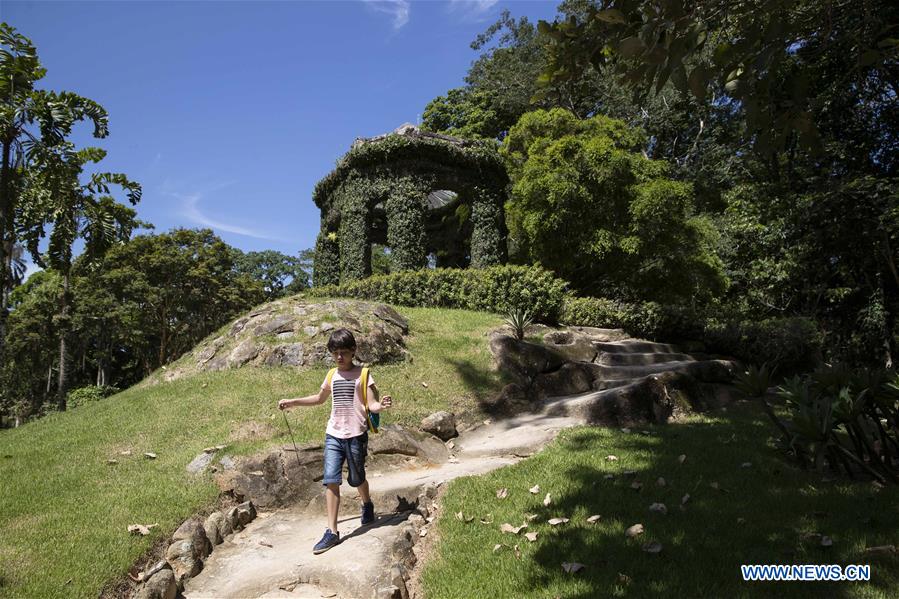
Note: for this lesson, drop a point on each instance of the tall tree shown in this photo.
(279, 273)
(57, 198)
(31, 121)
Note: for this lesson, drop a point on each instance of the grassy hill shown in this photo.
(63, 525)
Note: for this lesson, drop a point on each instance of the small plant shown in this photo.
(755, 381)
(519, 319)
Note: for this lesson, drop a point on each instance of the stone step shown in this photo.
(641, 359)
(606, 373)
(635, 346)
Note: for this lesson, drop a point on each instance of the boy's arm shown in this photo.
(379, 403)
(309, 400)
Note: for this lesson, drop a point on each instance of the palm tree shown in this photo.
(57, 198)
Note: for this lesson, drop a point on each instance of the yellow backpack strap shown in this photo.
(330, 376)
(363, 381)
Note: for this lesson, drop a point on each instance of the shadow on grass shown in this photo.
(764, 511)
(482, 384)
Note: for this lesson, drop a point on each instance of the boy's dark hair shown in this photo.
(341, 339)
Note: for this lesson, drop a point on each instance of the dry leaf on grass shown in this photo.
(423, 532)
(142, 529)
(530, 536)
(661, 482)
(636, 485)
(502, 493)
(746, 465)
(535, 489)
(557, 521)
(150, 455)
(497, 547)
(611, 458)
(424, 384)
(652, 547)
(530, 517)
(881, 550)
(681, 458)
(517, 552)
(126, 452)
(624, 579)
(112, 462)
(572, 567)
(659, 508)
(547, 500)
(506, 527)
(593, 519)
(633, 531)
(488, 519)
(685, 499)
(826, 541)
(265, 543)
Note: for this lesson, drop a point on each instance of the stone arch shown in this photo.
(418, 193)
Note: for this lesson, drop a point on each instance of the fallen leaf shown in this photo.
(451, 444)
(611, 458)
(652, 547)
(530, 536)
(715, 486)
(659, 508)
(685, 499)
(488, 421)
(557, 521)
(826, 541)
(547, 500)
(661, 482)
(429, 519)
(142, 529)
(150, 455)
(517, 552)
(746, 465)
(506, 527)
(111, 461)
(572, 567)
(502, 493)
(625, 430)
(633, 531)
(424, 384)
(741, 520)
(593, 519)
(636, 485)
(530, 517)
(681, 458)
(624, 578)
(535, 489)
(485, 520)
(497, 547)
(126, 452)
(265, 543)
(460, 516)
(204, 385)
(423, 532)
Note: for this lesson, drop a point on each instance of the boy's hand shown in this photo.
(284, 404)
(386, 402)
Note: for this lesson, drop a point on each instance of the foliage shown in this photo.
(376, 195)
(766, 56)
(580, 188)
(497, 289)
(462, 113)
(279, 273)
(519, 319)
(755, 381)
(845, 420)
(83, 395)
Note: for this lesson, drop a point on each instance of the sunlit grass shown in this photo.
(760, 514)
(65, 510)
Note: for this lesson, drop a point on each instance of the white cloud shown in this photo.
(397, 9)
(472, 8)
(190, 208)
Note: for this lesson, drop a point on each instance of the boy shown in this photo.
(346, 437)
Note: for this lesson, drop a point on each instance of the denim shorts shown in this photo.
(353, 450)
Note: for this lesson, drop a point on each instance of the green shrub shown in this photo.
(83, 395)
(791, 344)
(498, 289)
(591, 311)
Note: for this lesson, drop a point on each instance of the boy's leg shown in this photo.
(363, 492)
(332, 499)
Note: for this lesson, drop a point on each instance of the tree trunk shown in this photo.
(5, 215)
(63, 331)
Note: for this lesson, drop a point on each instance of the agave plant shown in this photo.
(755, 381)
(519, 319)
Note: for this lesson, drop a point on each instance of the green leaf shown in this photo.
(699, 80)
(631, 47)
(611, 15)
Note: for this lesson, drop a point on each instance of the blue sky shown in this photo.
(228, 113)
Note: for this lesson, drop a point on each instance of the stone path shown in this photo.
(272, 557)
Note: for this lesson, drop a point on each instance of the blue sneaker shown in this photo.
(329, 540)
(368, 513)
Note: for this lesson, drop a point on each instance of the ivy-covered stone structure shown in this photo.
(423, 195)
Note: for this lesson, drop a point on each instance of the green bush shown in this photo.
(498, 289)
(591, 311)
(83, 395)
(792, 345)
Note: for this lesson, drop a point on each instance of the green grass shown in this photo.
(760, 517)
(65, 511)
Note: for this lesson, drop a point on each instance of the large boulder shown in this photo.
(161, 585)
(441, 425)
(274, 478)
(570, 379)
(522, 359)
(576, 347)
(395, 439)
